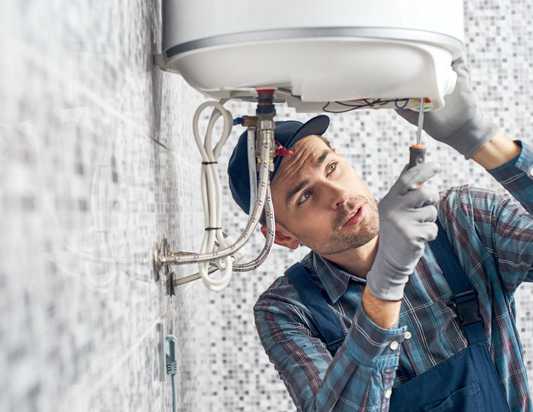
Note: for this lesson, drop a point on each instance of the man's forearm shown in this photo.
(496, 152)
(383, 313)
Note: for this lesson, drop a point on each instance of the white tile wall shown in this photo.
(97, 162)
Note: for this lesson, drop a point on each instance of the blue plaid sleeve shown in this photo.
(517, 176)
(511, 235)
(501, 222)
(358, 378)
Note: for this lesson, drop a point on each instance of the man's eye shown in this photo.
(303, 198)
(331, 167)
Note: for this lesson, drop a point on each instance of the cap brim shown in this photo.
(317, 126)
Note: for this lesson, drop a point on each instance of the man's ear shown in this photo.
(283, 237)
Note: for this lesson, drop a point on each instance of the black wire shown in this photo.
(406, 102)
(368, 103)
(336, 112)
(351, 105)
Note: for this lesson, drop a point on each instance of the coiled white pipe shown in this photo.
(210, 189)
(214, 246)
(266, 139)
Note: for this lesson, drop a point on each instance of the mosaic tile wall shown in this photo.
(98, 162)
(90, 178)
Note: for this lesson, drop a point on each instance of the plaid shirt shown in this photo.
(491, 234)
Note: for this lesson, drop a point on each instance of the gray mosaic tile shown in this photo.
(98, 162)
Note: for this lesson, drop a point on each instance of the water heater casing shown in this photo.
(315, 52)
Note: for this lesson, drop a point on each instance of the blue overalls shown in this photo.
(465, 382)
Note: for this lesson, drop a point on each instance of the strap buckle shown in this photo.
(467, 307)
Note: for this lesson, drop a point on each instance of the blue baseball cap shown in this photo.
(286, 133)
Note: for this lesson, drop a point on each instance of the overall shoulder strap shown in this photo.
(464, 295)
(325, 319)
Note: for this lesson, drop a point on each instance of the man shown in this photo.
(374, 319)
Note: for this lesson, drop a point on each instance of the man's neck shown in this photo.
(356, 261)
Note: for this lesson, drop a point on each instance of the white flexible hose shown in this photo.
(214, 248)
(214, 241)
(211, 198)
(265, 140)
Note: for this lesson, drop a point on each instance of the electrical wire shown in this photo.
(171, 365)
(368, 104)
(173, 384)
(405, 101)
(324, 109)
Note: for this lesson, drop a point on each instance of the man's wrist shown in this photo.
(496, 152)
(384, 313)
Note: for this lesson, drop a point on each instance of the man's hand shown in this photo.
(407, 216)
(459, 124)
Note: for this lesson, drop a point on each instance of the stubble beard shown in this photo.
(354, 237)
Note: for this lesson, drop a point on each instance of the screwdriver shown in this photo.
(417, 152)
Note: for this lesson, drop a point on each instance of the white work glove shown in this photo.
(459, 123)
(407, 216)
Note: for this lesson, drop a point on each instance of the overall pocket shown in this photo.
(466, 399)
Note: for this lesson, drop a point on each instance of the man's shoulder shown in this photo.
(281, 295)
(278, 292)
(280, 302)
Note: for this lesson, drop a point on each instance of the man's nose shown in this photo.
(338, 196)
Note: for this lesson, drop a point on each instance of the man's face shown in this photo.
(315, 192)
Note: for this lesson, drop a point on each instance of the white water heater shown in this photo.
(318, 55)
